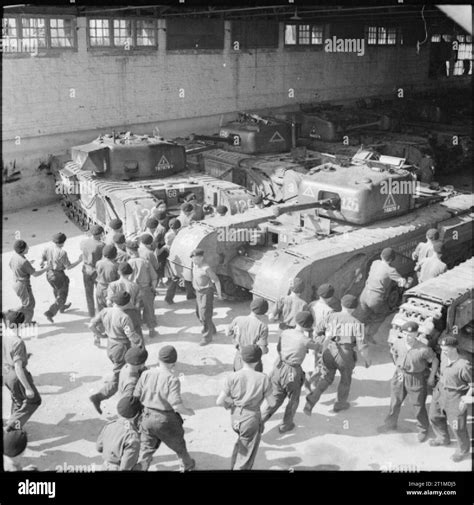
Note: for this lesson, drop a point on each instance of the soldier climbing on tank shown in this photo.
(22, 271)
(91, 249)
(373, 306)
(343, 334)
(432, 266)
(107, 272)
(288, 306)
(57, 261)
(425, 249)
(115, 226)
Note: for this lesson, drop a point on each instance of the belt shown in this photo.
(290, 364)
(158, 410)
(56, 270)
(254, 409)
(27, 280)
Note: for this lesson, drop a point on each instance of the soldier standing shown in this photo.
(243, 393)
(91, 249)
(107, 272)
(115, 227)
(186, 214)
(425, 249)
(150, 228)
(159, 391)
(412, 361)
(344, 333)
(16, 377)
(288, 306)
(204, 280)
(432, 266)
(121, 336)
(135, 359)
(287, 377)
(250, 330)
(57, 262)
(119, 440)
(159, 209)
(119, 243)
(147, 252)
(22, 271)
(450, 399)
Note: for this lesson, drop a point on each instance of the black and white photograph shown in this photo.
(237, 250)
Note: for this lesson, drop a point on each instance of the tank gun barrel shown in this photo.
(326, 203)
(212, 138)
(252, 117)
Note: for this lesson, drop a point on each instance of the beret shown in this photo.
(115, 224)
(59, 238)
(109, 251)
(151, 222)
(325, 291)
(298, 285)
(349, 301)
(131, 244)
(190, 197)
(449, 341)
(125, 268)
(128, 407)
(119, 238)
(96, 229)
(221, 209)
(438, 247)
(304, 319)
(168, 354)
(160, 215)
(146, 239)
(14, 442)
(432, 234)
(121, 298)
(19, 246)
(136, 355)
(175, 223)
(259, 306)
(251, 353)
(197, 252)
(410, 326)
(13, 317)
(388, 254)
(187, 207)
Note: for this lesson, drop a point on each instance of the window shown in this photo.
(436, 38)
(123, 33)
(448, 50)
(10, 34)
(303, 35)
(254, 33)
(382, 35)
(463, 65)
(146, 32)
(194, 33)
(33, 31)
(99, 32)
(61, 32)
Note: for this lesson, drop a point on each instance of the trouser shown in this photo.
(25, 294)
(147, 299)
(238, 363)
(204, 311)
(372, 311)
(248, 426)
(101, 296)
(116, 353)
(22, 407)
(415, 387)
(134, 315)
(287, 381)
(173, 285)
(59, 281)
(89, 278)
(444, 410)
(335, 357)
(162, 426)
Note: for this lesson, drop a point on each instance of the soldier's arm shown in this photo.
(130, 333)
(94, 323)
(215, 279)
(174, 398)
(19, 357)
(139, 387)
(434, 367)
(231, 332)
(276, 313)
(110, 294)
(224, 399)
(29, 269)
(131, 451)
(263, 340)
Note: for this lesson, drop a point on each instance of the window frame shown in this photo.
(310, 44)
(375, 42)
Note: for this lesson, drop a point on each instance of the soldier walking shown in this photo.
(91, 249)
(22, 271)
(288, 306)
(107, 272)
(159, 391)
(135, 359)
(243, 393)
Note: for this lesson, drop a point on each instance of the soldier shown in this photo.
(24, 395)
(132, 309)
(198, 212)
(145, 276)
(115, 227)
(257, 201)
(287, 377)
(186, 214)
(243, 393)
(159, 391)
(250, 330)
(107, 272)
(412, 361)
(22, 271)
(288, 306)
(203, 279)
(432, 266)
(135, 359)
(119, 243)
(91, 249)
(119, 440)
(221, 210)
(425, 249)
(121, 336)
(161, 250)
(159, 208)
(344, 333)
(146, 251)
(150, 228)
(450, 399)
(373, 307)
(14, 445)
(57, 262)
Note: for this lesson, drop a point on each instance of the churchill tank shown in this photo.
(124, 175)
(333, 223)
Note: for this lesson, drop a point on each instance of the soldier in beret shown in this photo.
(151, 226)
(22, 271)
(450, 400)
(115, 227)
(243, 393)
(343, 334)
(250, 330)
(432, 266)
(119, 440)
(120, 337)
(107, 272)
(57, 261)
(119, 243)
(288, 306)
(186, 214)
(425, 249)
(412, 361)
(135, 359)
(159, 391)
(14, 445)
(91, 249)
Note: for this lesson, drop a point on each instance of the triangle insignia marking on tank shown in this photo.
(276, 137)
(163, 164)
(308, 192)
(390, 205)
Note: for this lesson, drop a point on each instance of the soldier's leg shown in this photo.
(149, 441)
(54, 283)
(25, 294)
(134, 315)
(438, 418)
(345, 360)
(171, 290)
(22, 407)
(328, 372)
(417, 397)
(190, 292)
(207, 309)
(246, 446)
(148, 298)
(170, 430)
(116, 354)
(458, 423)
(294, 379)
(63, 290)
(398, 393)
(101, 296)
(276, 399)
(89, 283)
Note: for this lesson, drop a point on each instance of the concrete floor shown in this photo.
(67, 368)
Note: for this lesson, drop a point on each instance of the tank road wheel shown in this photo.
(394, 298)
